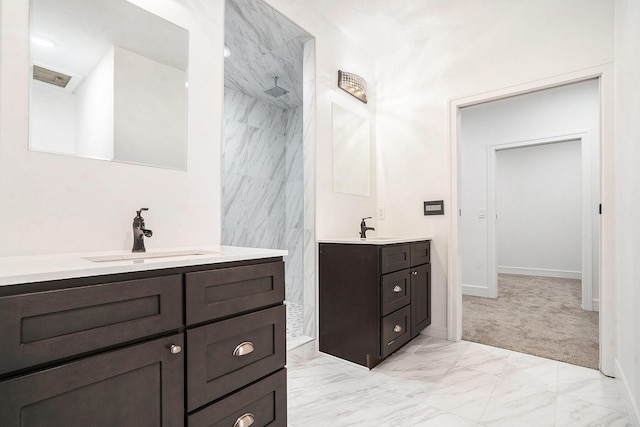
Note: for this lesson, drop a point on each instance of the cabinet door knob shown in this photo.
(243, 349)
(415, 273)
(244, 420)
(397, 329)
(397, 289)
(175, 349)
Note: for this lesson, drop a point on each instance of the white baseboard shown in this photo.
(435, 331)
(524, 271)
(630, 404)
(595, 306)
(475, 291)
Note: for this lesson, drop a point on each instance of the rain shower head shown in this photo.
(276, 91)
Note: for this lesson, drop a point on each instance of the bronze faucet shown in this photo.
(364, 228)
(139, 232)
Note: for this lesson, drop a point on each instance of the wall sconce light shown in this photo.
(353, 84)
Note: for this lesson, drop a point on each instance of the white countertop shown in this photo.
(39, 268)
(373, 240)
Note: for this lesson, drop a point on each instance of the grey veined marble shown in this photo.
(267, 154)
(263, 44)
(433, 382)
(263, 199)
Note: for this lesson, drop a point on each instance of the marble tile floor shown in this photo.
(434, 382)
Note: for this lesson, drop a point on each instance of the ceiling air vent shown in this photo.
(49, 76)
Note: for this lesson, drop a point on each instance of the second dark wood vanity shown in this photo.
(374, 298)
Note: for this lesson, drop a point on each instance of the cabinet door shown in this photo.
(420, 298)
(42, 327)
(140, 385)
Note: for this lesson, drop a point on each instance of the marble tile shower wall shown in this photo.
(294, 278)
(263, 181)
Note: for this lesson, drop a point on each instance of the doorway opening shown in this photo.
(529, 194)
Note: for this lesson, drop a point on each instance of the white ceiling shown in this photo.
(83, 31)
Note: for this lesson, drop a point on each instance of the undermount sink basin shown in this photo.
(373, 240)
(148, 255)
(381, 238)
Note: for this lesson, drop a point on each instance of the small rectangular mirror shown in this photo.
(351, 152)
(108, 81)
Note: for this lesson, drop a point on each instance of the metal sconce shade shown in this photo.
(353, 84)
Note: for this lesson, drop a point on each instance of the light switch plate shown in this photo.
(434, 207)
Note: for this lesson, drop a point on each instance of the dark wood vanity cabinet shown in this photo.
(373, 298)
(139, 385)
(128, 349)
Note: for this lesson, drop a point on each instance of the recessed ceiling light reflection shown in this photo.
(42, 41)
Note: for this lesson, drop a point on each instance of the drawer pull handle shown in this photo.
(243, 349)
(415, 273)
(244, 420)
(397, 289)
(397, 329)
(175, 349)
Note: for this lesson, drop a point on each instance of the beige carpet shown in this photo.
(534, 315)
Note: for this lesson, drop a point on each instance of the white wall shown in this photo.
(627, 210)
(55, 204)
(550, 113)
(150, 118)
(538, 208)
(48, 199)
(513, 45)
(337, 214)
(94, 110)
(52, 114)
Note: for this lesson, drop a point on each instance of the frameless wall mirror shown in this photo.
(351, 152)
(108, 81)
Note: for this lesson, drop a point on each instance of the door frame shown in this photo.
(604, 73)
(587, 210)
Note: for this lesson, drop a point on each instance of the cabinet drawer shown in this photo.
(420, 253)
(139, 385)
(215, 294)
(396, 291)
(226, 355)
(394, 258)
(396, 330)
(264, 402)
(45, 326)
